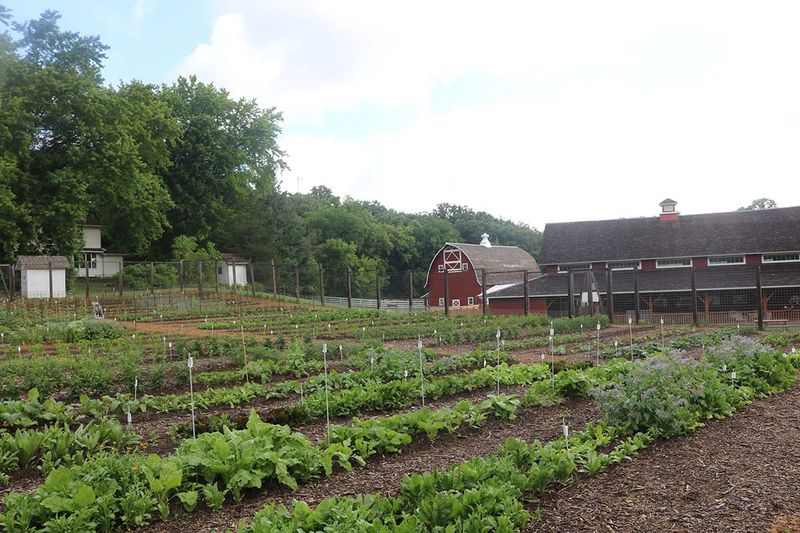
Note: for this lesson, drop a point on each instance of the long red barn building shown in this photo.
(464, 265)
(721, 251)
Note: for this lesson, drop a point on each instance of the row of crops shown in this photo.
(661, 396)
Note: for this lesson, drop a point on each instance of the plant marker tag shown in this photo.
(793, 349)
(19, 349)
(498, 333)
(129, 417)
(484, 363)
(405, 373)
(552, 332)
(191, 362)
(565, 428)
(733, 375)
(598, 326)
(724, 367)
(341, 357)
(542, 358)
(135, 387)
(327, 405)
(737, 326)
(2, 338)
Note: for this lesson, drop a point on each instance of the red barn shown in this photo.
(464, 265)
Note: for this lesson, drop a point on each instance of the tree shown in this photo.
(760, 203)
(227, 151)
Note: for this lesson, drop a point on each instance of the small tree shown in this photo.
(758, 204)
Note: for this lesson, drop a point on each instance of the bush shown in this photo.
(138, 276)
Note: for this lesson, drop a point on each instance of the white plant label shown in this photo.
(542, 358)
(565, 428)
(191, 362)
(733, 375)
(129, 417)
(598, 326)
(552, 332)
(498, 333)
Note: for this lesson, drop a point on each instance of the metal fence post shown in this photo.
(526, 293)
(121, 267)
(234, 276)
(252, 279)
(321, 286)
(378, 288)
(610, 295)
(274, 278)
(50, 278)
(637, 310)
(410, 290)
(760, 298)
(297, 281)
(695, 321)
(571, 293)
(484, 303)
(152, 278)
(86, 273)
(200, 279)
(590, 294)
(446, 293)
(216, 277)
(13, 282)
(349, 288)
(180, 273)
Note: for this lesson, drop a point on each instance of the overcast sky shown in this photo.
(533, 111)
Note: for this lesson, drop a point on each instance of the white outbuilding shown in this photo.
(232, 270)
(43, 276)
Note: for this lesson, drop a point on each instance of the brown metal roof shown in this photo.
(43, 262)
(665, 280)
(233, 258)
(735, 233)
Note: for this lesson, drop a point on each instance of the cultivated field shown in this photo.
(334, 420)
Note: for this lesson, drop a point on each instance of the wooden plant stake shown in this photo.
(190, 363)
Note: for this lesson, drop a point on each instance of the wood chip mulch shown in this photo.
(741, 474)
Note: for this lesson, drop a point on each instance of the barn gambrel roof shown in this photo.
(492, 259)
(733, 233)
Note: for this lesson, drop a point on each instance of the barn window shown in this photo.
(624, 265)
(726, 260)
(464, 267)
(441, 302)
(456, 302)
(441, 268)
(781, 258)
(576, 266)
(470, 300)
(674, 263)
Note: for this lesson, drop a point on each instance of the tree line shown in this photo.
(179, 170)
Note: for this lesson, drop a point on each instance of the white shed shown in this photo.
(43, 276)
(97, 261)
(233, 270)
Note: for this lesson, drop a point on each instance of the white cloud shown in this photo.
(618, 104)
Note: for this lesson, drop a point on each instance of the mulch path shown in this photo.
(383, 474)
(738, 474)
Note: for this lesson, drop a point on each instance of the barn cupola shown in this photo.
(668, 211)
(485, 240)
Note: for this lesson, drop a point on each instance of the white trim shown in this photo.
(441, 302)
(455, 302)
(674, 259)
(710, 258)
(470, 300)
(650, 292)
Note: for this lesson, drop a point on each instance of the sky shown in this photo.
(533, 111)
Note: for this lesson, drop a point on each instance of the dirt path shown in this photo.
(383, 474)
(739, 474)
